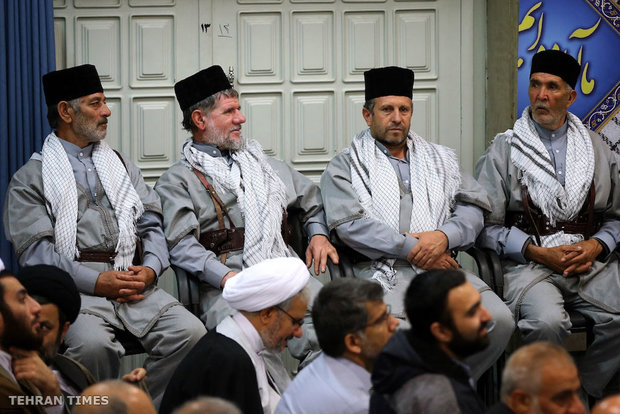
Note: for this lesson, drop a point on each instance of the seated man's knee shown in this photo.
(545, 326)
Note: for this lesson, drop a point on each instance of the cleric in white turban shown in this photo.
(238, 360)
(266, 284)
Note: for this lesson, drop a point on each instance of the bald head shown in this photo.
(610, 405)
(115, 397)
(208, 405)
(540, 377)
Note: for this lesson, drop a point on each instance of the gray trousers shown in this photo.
(544, 318)
(91, 341)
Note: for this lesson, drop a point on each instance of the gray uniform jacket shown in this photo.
(31, 231)
(496, 173)
(342, 206)
(189, 211)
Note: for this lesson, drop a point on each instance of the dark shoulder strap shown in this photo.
(118, 154)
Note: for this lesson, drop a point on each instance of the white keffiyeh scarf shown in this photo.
(435, 179)
(260, 194)
(557, 202)
(59, 188)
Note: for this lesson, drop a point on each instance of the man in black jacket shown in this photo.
(422, 369)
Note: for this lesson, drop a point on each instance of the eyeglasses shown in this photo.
(383, 318)
(297, 322)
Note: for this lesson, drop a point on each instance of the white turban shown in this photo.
(266, 284)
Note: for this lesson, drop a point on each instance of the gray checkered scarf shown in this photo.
(435, 177)
(260, 193)
(557, 202)
(59, 188)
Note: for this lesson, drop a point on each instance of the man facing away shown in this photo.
(402, 205)
(352, 324)
(540, 378)
(555, 220)
(422, 370)
(238, 360)
(85, 208)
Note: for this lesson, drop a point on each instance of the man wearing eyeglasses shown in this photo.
(238, 360)
(352, 324)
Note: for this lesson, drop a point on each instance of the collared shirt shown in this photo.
(555, 141)
(85, 173)
(377, 240)
(207, 266)
(327, 384)
(6, 361)
(512, 242)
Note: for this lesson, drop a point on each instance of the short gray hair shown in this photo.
(370, 105)
(53, 117)
(524, 367)
(303, 294)
(206, 106)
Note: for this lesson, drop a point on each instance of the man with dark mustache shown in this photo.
(402, 205)
(555, 219)
(85, 208)
(422, 369)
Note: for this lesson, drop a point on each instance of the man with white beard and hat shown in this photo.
(238, 360)
(555, 220)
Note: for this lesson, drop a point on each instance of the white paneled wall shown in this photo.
(298, 65)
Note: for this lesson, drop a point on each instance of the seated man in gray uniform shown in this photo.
(402, 205)
(225, 201)
(556, 220)
(82, 207)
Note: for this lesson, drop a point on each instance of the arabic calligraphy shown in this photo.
(529, 21)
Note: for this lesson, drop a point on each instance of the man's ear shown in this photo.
(520, 401)
(353, 343)
(268, 315)
(65, 328)
(198, 119)
(367, 115)
(65, 111)
(571, 97)
(442, 333)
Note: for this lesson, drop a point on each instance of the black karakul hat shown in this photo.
(390, 80)
(557, 63)
(200, 85)
(71, 83)
(53, 284)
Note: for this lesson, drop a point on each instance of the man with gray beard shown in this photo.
(82, 207)
(225, 201)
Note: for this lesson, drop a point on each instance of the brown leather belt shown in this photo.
(101, 257)
(224, 240)
(533, 221)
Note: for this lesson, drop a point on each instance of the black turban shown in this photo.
(390, 80)
(557, 63)
(200, 85)
(53, 284)
(71, 83)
